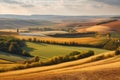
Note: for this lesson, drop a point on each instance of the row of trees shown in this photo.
(74, 35)
(104, 22)
(59, 59)
(35, 62)
(109, 44)
(13, 46)
(112, 44)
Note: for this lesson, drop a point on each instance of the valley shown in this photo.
(70, 48)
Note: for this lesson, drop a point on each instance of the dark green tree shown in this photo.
(14, 48)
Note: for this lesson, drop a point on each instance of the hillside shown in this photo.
(21, 21)
(75, 70)
(76, 24)
(47, 51)
(6, 23)
(55, 18)
(107, 27)
(11, 57)
(114, 26)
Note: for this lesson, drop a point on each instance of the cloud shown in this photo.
(18, 2)
(60, 7)
(10, 1)
(110, 2)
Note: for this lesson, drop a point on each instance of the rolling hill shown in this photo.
(47, 51)
(107, 69)
(55, 18)
(18, 21)
(107, 27)
(6, 23)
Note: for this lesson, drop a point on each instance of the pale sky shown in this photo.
(60, 7)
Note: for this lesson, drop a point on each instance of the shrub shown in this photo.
(30, 39)
(113, 44)
(109, 55)
(98, 58)
(73, 53)
(86, 54)
(25, 53)
(34, 59)
(117, 52)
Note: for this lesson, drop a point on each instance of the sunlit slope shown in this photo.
(2, 61)
(106, 69)
(107, 27)
(48, 50)
(84, 40)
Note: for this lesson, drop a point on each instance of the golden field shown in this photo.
(107, 27)
(62, 40)
(75, 70)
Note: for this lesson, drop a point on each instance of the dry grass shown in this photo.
(107, 69)
(4, 61)
(61, 40)
(112, 26)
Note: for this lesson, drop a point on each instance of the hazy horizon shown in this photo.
(60, 7)
(57, 15)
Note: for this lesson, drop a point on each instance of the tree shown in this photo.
(34, 40)
(25, 53)
(74, 53)
(117, 52)
(14, 48)
(30, 39)
(36, 59)
(108, 35)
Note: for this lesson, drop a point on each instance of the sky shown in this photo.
(60, 7)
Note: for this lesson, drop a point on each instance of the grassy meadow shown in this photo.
(4, 61)
(11, 57)
(49, 50)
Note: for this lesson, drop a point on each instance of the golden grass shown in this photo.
(70, 68)
(4, 61)
(112, 26)
(62, 40)
(8, 65)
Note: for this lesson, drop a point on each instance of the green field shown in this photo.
(115, 34)
(5, 61)
(11, 57)
(9, 60)
(48, 50)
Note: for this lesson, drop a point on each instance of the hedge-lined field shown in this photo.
(49, 50)
(84, 40)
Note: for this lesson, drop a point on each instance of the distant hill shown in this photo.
(20, 23)
(51, 17)
(76, 24)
